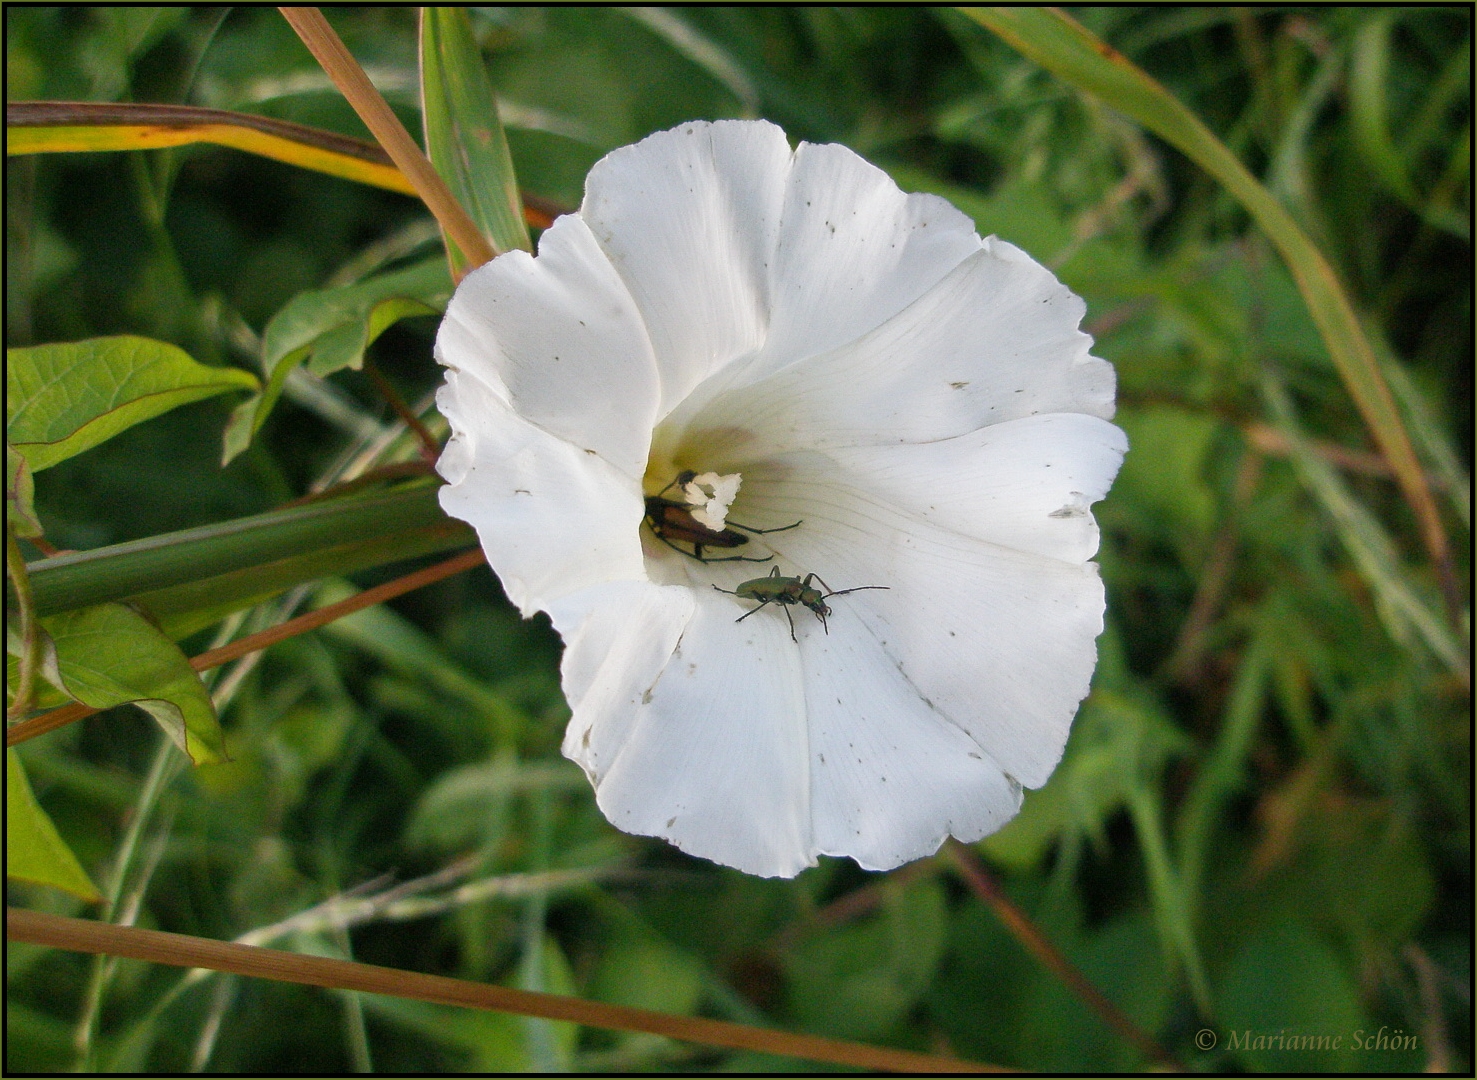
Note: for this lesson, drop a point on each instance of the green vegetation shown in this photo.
(1261, 826)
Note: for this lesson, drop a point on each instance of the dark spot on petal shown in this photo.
(959, 385)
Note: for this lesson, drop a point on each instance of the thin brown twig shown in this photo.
(40, 725)
(430, 448)
(179, 950)
(980, 881)
(349, 77)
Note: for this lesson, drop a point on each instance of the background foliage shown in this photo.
(1263, 819)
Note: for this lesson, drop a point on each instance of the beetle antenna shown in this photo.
(859, 588)
(761, 532)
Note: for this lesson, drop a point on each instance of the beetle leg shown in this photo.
(792, 625)
(697, 552)
(746, 614)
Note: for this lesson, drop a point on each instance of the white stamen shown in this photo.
(712, 495)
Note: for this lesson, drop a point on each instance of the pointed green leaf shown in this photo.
(34, 850)
(464, 138)
(111, 655)
(330, 329)
(63, 399)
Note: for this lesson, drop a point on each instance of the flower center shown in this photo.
(711, 495)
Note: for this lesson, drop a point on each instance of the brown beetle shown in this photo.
(670, 520)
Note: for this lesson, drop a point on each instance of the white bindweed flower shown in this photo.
(906, 405)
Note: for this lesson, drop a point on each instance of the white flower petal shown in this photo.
(562, 339)
(999, 641)
(689, 219)
(552, 518)
(853, 252)
(995, 340)
(890, 777)
(715, 760)
(617, 639)
(1026, 484)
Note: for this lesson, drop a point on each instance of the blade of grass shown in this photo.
(464, 137)
(180, 950)
(1066, 48)
(1399, 604)
(349, 77)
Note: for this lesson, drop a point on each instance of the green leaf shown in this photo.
(331, 329)
(63, 399)
(1067, 49)
(34, 850)
(464, 138)
(20, 494)
(111, 655)
(857, 982)
(1288, 981)
(194, 555)
(648, 973)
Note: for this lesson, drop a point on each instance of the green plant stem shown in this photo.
(85, 578)
(30, 657)
(165, 765)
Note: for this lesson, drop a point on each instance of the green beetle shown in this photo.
(790, 591)
(670, 520)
